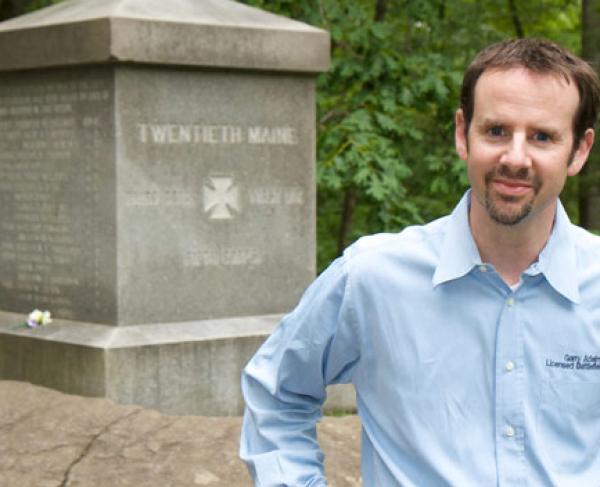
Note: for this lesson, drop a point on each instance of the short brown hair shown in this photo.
(542, 57)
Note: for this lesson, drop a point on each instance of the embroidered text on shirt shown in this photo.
(570, 361)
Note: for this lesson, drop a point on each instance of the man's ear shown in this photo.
(460, 135)
(581, 153)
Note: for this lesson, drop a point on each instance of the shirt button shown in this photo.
(509, 431)
(483, 268)
(510, 302)
(509, 366)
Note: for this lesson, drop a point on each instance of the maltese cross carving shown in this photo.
(221, 198)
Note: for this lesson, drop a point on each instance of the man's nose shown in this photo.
(516, 153)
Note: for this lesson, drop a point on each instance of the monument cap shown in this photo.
(202, 33)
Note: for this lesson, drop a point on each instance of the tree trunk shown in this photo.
(351, 193)
(7, 10)
(589, 179)
(346, 223)
(514, 14)
(13, 8)
(380, 7)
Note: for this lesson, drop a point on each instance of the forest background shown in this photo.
(385, 109)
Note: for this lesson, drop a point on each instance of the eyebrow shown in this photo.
(492, 122)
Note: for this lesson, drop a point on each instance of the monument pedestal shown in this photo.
(157, 191)
(177, 368)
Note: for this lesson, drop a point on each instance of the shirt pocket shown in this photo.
(568, 424)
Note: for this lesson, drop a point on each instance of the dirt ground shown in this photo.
(50, 439)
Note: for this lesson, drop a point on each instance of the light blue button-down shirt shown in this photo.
(459, 380)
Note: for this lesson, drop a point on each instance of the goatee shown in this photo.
(496, 204)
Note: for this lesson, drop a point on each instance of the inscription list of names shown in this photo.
(51, 152)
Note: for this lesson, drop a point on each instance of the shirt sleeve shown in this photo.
(284, 383)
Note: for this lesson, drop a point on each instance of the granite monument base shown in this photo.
(176, 368)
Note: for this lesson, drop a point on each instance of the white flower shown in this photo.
(46, 318)
(36, 315)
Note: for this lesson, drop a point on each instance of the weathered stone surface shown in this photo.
(215, 184)
(57, 196)
(176, 368)
(147, 195)
(214, 33)
(48, 439)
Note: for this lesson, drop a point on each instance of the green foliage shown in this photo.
(37, 4)
(339, 413)
(13, 8)
(386, 107)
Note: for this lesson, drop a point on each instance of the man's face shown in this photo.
(520, 146)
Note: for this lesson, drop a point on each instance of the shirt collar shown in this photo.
(459, 252)
(556, 262)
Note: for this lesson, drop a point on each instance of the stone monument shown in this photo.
(157, 194)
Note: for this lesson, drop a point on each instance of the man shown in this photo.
(473, 342)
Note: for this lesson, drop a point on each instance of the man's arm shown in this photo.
(284, 384)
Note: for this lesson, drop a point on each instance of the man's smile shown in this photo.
(511, 187)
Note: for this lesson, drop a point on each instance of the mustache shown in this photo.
(523, 174)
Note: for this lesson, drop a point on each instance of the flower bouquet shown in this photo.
(38, 318)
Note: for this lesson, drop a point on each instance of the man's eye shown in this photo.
(541, 137)
(496, 131)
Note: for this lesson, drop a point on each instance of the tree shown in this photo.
(386, 107)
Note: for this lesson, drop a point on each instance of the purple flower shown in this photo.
(32, 323)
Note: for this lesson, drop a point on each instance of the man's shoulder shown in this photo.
(410, 243)
(586, 243)
(587, 258)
